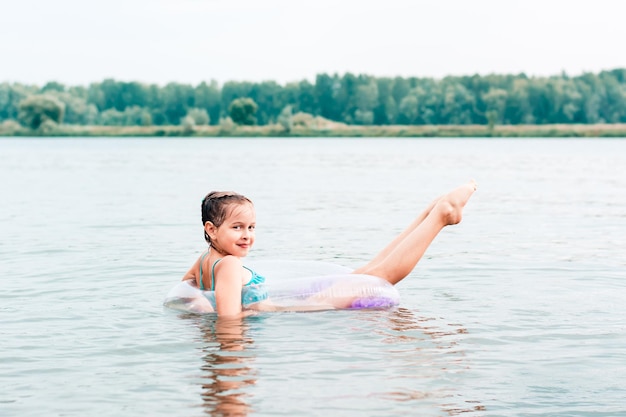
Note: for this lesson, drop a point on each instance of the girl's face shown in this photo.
(236, 235)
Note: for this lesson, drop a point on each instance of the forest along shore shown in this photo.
(348, 105)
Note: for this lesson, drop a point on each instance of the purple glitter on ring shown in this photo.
(373, 302)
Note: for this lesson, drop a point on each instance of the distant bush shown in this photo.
(188, 124)
(306, 120)
(303, 119)
(242, 111)
(35, 110)
(227, 125)
(285, 119)
(10, 127)
(131, 116)
(48, 127)
(200, 116)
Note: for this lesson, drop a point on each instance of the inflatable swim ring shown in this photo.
(296, 286)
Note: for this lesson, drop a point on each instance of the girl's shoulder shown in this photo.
(229, 268)
(228, 261)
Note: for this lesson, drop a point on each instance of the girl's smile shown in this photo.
(235, 236)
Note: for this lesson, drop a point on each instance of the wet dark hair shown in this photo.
(215, 207)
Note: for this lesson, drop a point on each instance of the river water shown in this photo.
(517, 311)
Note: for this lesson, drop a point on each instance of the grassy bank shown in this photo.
(333, 130)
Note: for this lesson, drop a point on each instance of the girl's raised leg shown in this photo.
(396, 242)
(399, 258)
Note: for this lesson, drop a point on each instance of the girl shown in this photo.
(229, 221)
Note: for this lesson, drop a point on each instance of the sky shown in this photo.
(77, 42)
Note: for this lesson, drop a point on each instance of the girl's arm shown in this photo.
(228, 284)
(198, 303)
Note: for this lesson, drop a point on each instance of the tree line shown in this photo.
(351, 99)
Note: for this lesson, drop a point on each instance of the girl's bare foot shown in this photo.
(450, 206)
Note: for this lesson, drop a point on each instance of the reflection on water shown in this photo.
(406, 332)
(227, 370)
(415, 349)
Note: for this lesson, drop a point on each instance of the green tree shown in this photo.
(539, 101)
(306, 100)
(457, 102)
(495, 100)
(270, 100)
(35, 110)
(176, 99)
(53, 86)
(326, 88)
(112, 94)
(77, 110)
(134, 94)
(366, 101)
(95, 96)
(118, 95)
(400, 89)
(208, 97)
(111, 117)
(285, 119)
(131, 116)
(614, 98)
(518, 109)
(345, 97)
(10, 97)
(6, 103)
(429, 99)
(421, 106)
(408, 110)
(242, 111)
(386, 110)
(234, 90)
(570, 108)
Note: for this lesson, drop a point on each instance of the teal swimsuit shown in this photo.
(252, 292)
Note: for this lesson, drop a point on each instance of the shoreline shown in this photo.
(338, 130)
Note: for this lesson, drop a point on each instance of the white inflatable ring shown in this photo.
(295, 286)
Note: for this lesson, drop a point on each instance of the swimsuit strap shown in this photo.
(213, 274)
(201, 262)
(255, 278)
